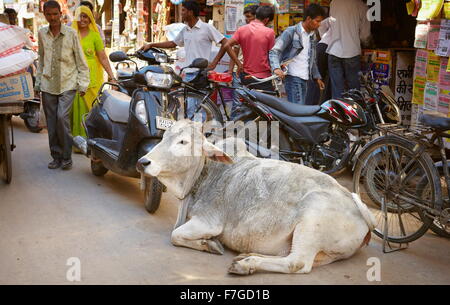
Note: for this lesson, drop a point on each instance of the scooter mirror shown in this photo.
(118, 56)
(199, 63)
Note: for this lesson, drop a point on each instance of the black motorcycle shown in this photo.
(121, 128)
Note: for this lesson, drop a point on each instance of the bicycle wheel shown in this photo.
(206, 110)
(387, 169)
(439, 226)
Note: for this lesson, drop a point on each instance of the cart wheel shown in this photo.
(5, 150)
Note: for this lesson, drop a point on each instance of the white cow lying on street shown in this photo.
(286, 217)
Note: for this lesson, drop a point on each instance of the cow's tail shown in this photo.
(367, 215)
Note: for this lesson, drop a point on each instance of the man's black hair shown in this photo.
(52, 4)
(192, 6)
(10, 11)
(251, 9)
(313, 11)
(88, 4)
(265, 11)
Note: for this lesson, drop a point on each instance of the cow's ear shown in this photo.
(215, 153)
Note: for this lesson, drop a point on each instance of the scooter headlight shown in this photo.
(159, 80)
(161, 58)
(141, 112)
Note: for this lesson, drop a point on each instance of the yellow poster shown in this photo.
(419, 90)
(430, 9)
(447, 10)
(433, 67)
(283, 22)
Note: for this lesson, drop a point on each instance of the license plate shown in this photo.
(163, 123)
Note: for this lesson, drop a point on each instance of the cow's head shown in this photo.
(178, 159)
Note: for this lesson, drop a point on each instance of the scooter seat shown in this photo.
(116, 105)
(436, 122)
(291, 109)
(125, 73)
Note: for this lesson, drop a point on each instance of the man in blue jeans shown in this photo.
(349, 28)
(297, 45)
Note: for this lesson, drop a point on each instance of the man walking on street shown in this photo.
(298, 44)
(62, 71)
(196, 38)
(349, 27)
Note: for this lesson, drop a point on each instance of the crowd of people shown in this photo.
(321, 54)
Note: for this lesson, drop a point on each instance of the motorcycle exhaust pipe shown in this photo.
(81, 143)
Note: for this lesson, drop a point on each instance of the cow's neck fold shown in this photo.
(190, 182)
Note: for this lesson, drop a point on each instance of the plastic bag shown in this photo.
(13, 39)
(16, 62)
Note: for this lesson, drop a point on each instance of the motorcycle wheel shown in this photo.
(5, 150)
(152, 194)
(437, 227)
(98, 169)
(32, 123)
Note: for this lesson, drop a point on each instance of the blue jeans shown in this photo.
(343, 70)
(191, 103)
(236, 101)
(295, 89)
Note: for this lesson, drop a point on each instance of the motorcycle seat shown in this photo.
(125, 73)
(116, 105)
(439, 123)
(291, 109)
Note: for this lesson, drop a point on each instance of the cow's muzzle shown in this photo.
(142, 164)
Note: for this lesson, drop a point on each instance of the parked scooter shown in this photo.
(121, 128)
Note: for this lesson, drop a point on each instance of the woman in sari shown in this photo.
(94, 52)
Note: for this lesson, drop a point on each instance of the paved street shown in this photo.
(49, 216)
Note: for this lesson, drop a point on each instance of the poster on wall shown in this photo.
(404, 84)
(251, 2)
(433, 35)
(433, 67)
(443, 48)
(296, 6)
(430, 9)
(234, 16)
(283, 6)
(283, 22)
(421, 35)
(431, 96)
(418, 89)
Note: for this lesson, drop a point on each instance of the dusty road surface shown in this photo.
(47, 217)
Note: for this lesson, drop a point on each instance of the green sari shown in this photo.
(91, 44)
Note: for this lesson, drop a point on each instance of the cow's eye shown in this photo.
(183, 142)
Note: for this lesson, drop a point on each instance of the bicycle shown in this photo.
(396, 176)
(202, 87)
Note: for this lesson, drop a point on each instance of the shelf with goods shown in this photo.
(431, 78)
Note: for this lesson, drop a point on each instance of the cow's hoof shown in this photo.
(241, 267)
(215, 246)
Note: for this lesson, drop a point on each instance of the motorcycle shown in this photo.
(122, 128)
